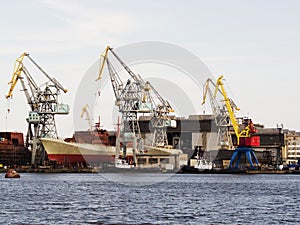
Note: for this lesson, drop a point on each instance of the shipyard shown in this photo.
(148, 137)
(149, 112)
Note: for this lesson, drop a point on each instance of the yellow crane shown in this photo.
(43, 102)
(17, 75)
(244, 139)
(18, 68)
(85, 110)
(221, 117)
(103, 58)
(231, 107)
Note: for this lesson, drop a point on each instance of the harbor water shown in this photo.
(176, 199)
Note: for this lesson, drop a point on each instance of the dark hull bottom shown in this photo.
(192, 170)
(112, 169)
(70, 159)
(189, 169)
(15, 176)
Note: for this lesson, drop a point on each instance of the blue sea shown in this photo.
(150, 199)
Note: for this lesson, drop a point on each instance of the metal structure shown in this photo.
(133, 97)
(220, 113)
(243, 135)
(43, 103)
(231, 108)
(85, 110)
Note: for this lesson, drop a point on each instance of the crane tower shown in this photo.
(43, 103)
(133, 97)
(243, 132)
(221, 116)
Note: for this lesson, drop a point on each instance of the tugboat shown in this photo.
(199, 163)
(11, 173)
(123, 164)
(202, 164)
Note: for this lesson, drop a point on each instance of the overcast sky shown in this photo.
(254, 44)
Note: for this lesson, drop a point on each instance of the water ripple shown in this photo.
(181, 199)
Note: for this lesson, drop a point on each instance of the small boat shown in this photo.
(202, 164)
(120, 166)
(11, 173)
(123, 164)
(199, 164)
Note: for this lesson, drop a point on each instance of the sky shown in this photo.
(254, 44)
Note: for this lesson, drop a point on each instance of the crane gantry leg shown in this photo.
(238, 152)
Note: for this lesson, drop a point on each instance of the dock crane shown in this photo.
(43, 103)
(133, 97)
(85, 110)
(245, 140)
(221, 117)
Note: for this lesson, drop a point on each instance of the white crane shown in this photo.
(134, 97)
(220, 113)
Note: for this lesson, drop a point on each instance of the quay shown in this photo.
(51, 170)
(243, 171)
(48, 169)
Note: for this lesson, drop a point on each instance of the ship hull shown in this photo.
(79, 158)
(68, 152)
(12, 149)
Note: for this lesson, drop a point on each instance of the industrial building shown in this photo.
(277, 145)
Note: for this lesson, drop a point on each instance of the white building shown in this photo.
(293, 150)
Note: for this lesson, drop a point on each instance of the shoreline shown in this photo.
(93, 170)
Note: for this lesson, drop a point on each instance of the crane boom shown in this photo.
(18, 68)
(132, 74)
(245, 140)
(85, 110)
(44, 105)
(224, 139)
(132, 97)
(230, 108)
(116, 82)
(53, 80)
(103, 57)
(228, 105)
(25, 89)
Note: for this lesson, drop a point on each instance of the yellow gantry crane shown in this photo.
(221, 117)
(44, 105)
(244, 138)
(231, 107)
(85, 110)
(225, 113)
